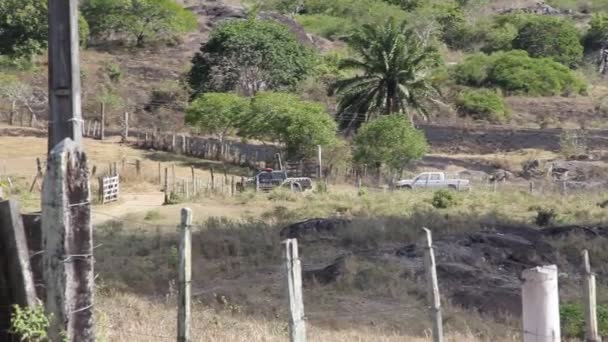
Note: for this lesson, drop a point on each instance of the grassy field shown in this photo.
(238, 278)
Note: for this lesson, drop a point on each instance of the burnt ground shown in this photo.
(478, 270)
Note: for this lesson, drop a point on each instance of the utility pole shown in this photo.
(64, 73)
(66, 210)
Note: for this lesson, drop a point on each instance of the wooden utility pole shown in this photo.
(64, 73)
(185, 276)
(68, 244)
(102, 132)
(297, 325)
(433, 288)
(66, 213)
(591, 328)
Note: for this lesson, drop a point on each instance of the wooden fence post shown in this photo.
(185, 276)
(173, 180)
(232, 186)
(166, 187)
(320, 162)
(68, 244)
(591, 331)
(125, 133)
(540, 304)
(102, 131)
(138, 167)
(297, 325)
(212, 178)
(160, 177)
(433, 288)
(20, 282)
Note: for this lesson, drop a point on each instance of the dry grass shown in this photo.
(124, 317)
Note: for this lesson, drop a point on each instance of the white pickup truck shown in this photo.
(433, 180)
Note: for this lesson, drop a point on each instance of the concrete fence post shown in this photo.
(540, 304)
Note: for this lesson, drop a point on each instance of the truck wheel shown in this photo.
(452, 187)
(406, 187)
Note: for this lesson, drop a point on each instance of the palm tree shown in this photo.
(395, 75)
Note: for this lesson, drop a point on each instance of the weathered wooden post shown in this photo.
(433, 288)
(297, 325)
(166, 187)
(591, 326)
(232, 186)
(102, 131)
(13, 243)
(320, 162)
(68, 244)
(160, 177)
(540, 304)
(125, 133)
(185, 276)
(138, 168)
(212, 178)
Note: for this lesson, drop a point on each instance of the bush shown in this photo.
(573, 320)
(444, 199)
(499, 38)
(546, 36)
(29, 323)
(483, 104)
(545, 217)
(598, 31)
(518, 73)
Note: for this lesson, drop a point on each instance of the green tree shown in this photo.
(24, 28)
(284, 118)
(546, 36)
(248, 56)
(389, 141)
(142, 20)
(217, 113)
(395, 74)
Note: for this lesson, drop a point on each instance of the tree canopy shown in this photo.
(395, 71)
(389, 141)
(546, 36)
(248, 56)
(281, 117)
(217, 113)
(23, 27)
(140, 20)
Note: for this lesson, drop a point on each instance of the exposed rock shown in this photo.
(481, 269)
(500, 175)
(314, 228)
(328, 274)
(532, 169)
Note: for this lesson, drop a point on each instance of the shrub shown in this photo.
(516, 72)
(598, 31)
(546, 36)
(483, 104)
(29, 323)
(474, 70)
(545, 217)
(573, 320)
(499, 38)
(444, 199)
